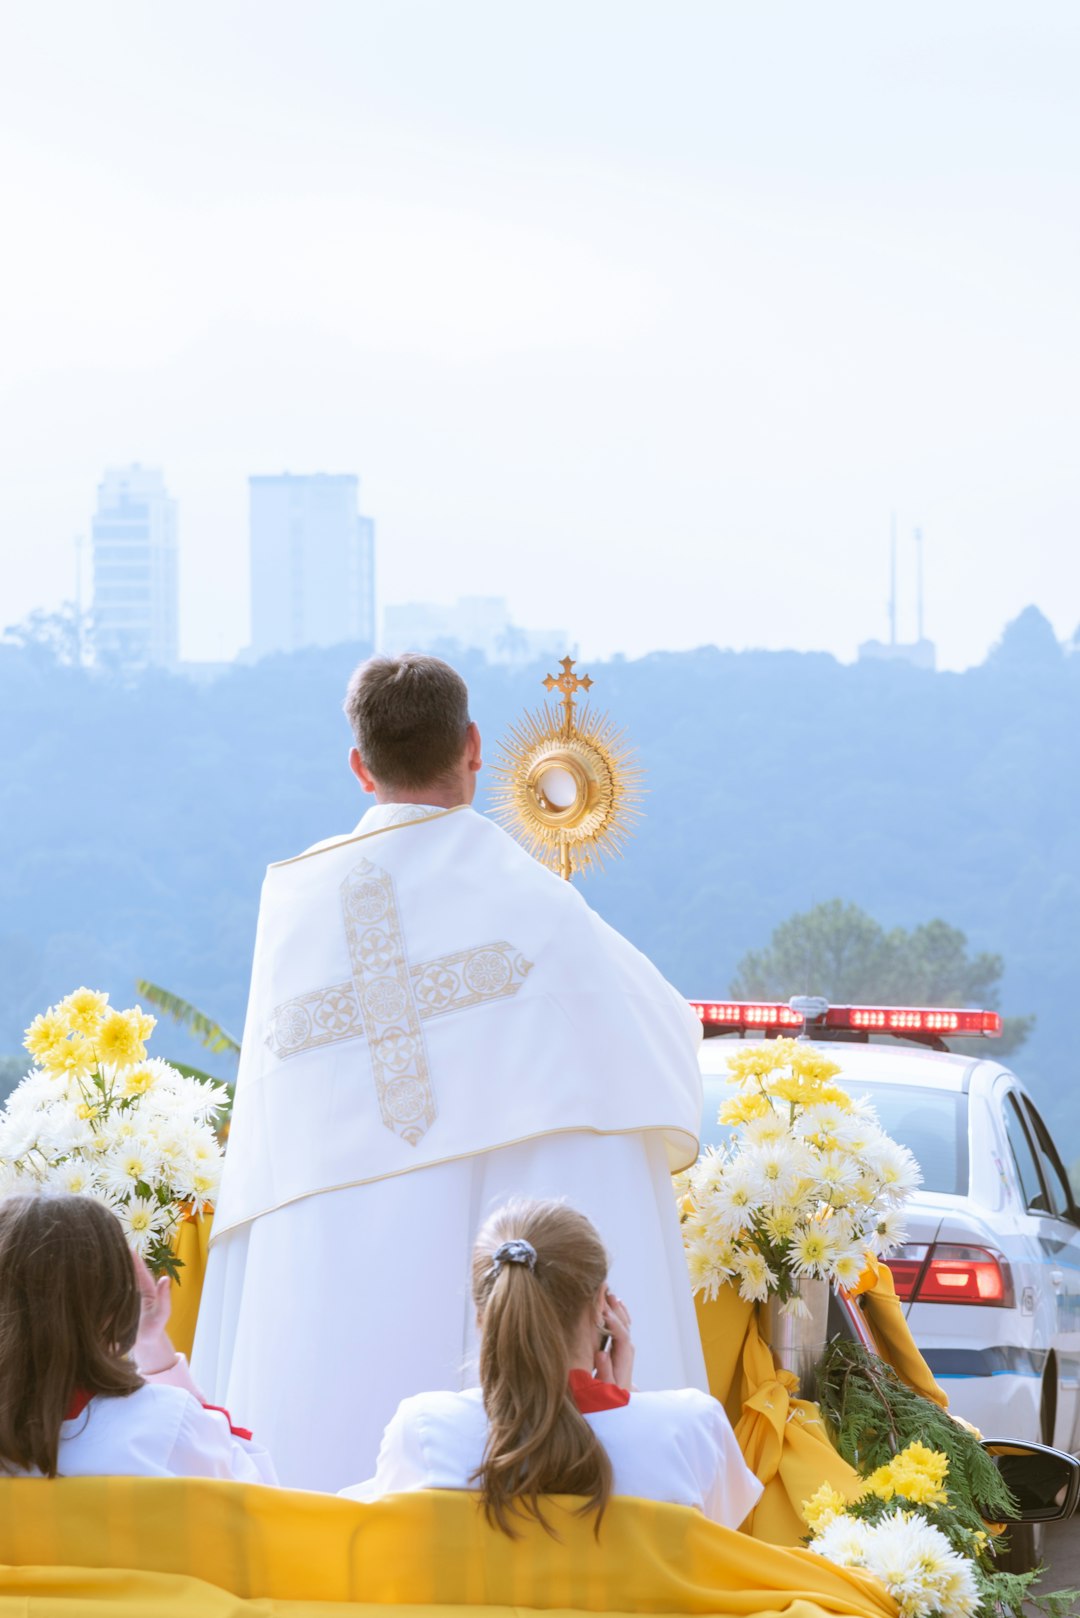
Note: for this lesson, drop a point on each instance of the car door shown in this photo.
(1059, 1237)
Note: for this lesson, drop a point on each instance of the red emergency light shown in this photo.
(740, 1014)
(721, 1016)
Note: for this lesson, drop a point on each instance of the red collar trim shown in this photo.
(590, 1395)
(77, 1404)
(237, 1432)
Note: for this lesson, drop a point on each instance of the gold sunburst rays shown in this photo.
(568, 788)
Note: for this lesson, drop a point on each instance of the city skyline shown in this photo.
(645, 318)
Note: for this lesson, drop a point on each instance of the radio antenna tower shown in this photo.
(892, 580)
(919, 580)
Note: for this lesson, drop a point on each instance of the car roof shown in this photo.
(875, 1062)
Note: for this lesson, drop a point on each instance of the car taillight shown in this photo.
(949, 1273)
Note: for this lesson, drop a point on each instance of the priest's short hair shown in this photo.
(410, 718)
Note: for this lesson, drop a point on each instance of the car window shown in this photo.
(1057, 1181)
(932, 1124)
(1024, 1157)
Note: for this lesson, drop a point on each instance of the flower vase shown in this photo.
(797, 1337)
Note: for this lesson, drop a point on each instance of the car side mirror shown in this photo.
(1044, 1482)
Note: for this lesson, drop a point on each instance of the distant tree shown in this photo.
(838, 951)
(1027, 642)
(61, 637)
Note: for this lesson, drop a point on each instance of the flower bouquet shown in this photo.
(96, 1117)
(807, 1184)
(928, 1560)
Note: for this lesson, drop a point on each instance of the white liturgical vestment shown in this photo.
(436, 1024)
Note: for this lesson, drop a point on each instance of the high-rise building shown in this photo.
(135, 614)
(312, 563)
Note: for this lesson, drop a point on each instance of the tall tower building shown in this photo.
(312, 563)
(133, 537)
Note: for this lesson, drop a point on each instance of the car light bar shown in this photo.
(739, 1014)
(747, 1014)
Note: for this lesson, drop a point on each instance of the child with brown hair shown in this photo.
(555, 1412)
(89, 1383)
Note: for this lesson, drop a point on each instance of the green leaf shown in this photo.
(201, 1027)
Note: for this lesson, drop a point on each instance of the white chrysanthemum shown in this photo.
(837, 1176)
(38, 1089)
(60, 1130)
(709, 1262)
(843, 1541)
(128, 1165)
(764, 1131)
(919, 1568)
(756, 1280)
(895, 1168)
(76, 1177)
(826, 1124)
(139, 1218)
(776, 1171)
(729, 1207)
(848, 1265)
(708, 1172)
(864, 1191)
(887, 1233)
(811, 1250)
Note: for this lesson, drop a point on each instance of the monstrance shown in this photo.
(567, 786)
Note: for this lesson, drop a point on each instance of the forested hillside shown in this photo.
(138, 816)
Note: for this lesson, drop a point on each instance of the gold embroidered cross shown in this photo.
(386, 1001)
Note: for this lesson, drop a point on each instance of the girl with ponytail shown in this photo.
(555, 1412)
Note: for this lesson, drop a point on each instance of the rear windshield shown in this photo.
(932, 1124)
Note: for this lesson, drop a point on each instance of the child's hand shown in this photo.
(617, 1365)
(152, 1351)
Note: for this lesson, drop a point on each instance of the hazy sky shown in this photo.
(644, 315)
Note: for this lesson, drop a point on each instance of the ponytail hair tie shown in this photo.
(517, 1251)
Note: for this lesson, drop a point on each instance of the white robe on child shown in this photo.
(436, 1024)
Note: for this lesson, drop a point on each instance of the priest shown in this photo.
(436, 1023)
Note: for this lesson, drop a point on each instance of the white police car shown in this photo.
(991, 1271)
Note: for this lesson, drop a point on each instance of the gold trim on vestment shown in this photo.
(458, 1157)
(358, 837)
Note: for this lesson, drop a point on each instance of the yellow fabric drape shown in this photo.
(140, 1547)
(191, 1244)
(783, 1438)
(891, 1333)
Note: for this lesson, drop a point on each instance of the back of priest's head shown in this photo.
(410, 720)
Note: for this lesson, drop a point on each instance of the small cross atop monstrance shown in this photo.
(567, 787)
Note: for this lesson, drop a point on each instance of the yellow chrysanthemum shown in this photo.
(755, 1062)
(120, 1039)
(144, 1021)
(45, 1034)
(73, 1058)
(916, 1473)
(741, 1109)
(84, 1010)
(86, 1110)
(138, 1081)
(823, 1505)
(811, 1065)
